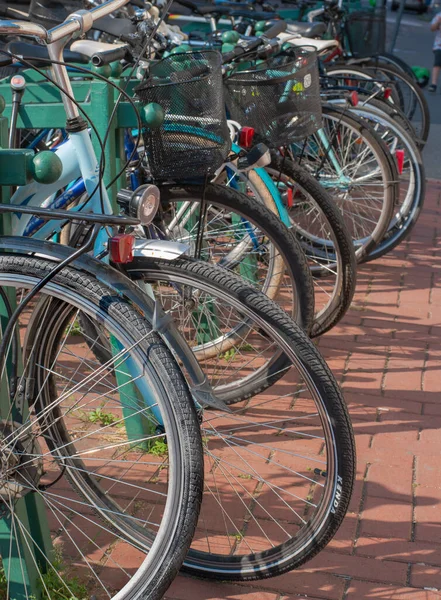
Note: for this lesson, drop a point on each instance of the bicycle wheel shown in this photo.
(351, 163)
(393, 112)
(412, 178)
(326, 242)
(244, 237)
(413, 100)
(405, 91)
(279, 469)
(388, 58)
(111, 451)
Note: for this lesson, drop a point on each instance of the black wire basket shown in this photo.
(193, 140)
(366, 33)
(279, 98)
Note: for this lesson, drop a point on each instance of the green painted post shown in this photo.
(43, 108)
(102, 101)
(137, 423)
(247, 266)
(25, 541)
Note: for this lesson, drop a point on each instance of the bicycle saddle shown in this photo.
(18, 11)
(115, 27)
(40, 54)
(234, 12)
(309, 30)
(90, 47)
(319, 45)
(225, 10)
(50, 13)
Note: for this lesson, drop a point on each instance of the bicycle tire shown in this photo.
(393, 113)
(389, 58)
(314, 158)
(72, 290)
(393, 74)
(232, 291)
(274, 231)
(410, 207)
(338, 245)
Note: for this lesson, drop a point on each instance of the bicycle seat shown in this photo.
(319, 45)
(18, 11)
(40, 54)
(91, 47)
(309, 30)
(220, 10)
(115, 27)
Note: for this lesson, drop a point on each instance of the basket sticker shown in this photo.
(298, 87)
(307, 80)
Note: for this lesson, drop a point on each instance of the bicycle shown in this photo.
(199, 291)
(37, 459)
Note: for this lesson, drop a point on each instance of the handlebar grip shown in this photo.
(275, 29)
(108, 56)
(5, 61)
(230, 56)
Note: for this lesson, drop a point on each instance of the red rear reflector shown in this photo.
(121, 248)
(387, 93)
(400, 160)
(246, 137)
(354, 98)
(289, 198)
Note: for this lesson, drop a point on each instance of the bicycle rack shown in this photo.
(42, 108)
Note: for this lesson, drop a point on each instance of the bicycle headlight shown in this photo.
(142, 204)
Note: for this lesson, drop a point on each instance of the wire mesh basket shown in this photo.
(279, 98)
(366, 33)
(193, 140)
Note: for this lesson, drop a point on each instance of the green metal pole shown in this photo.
(25, 541)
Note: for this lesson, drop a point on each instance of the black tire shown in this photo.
(401, 78)
(275, 231)
(342, 249)
(416, 108)
(393, 112)
(336, 119)
(412, 188)
(72, 290)
(303, 355)
(402, 225)
(399, 63)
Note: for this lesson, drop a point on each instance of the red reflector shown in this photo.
(387, 93)
(121, 248)
(400, 160)
(289, 198)
(354, 98)
(246, 137)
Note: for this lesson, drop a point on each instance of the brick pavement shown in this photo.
(386, 354)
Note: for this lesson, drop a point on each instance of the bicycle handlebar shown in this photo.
(80, 21)
(238, 51)
(108, 56)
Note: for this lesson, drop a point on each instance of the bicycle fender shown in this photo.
(122, 286)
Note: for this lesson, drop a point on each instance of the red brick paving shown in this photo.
(386, 354)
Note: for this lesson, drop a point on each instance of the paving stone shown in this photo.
(363, 590)
(386, 517)
(386, 353)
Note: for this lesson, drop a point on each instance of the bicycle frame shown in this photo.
(79, 161)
